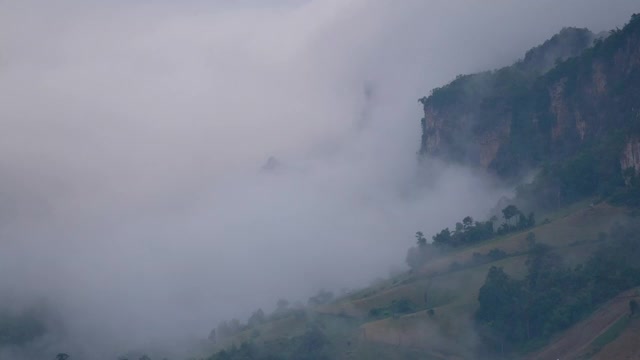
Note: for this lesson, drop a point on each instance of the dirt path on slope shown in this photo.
(573, 342)
(626, 346)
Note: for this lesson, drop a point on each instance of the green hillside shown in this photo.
(428, 313)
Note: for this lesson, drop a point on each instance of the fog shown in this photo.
(134, 196)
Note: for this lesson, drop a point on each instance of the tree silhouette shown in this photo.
(509, 212)
(421, 240)
(467, 222)
(62, 356)
(443, 237)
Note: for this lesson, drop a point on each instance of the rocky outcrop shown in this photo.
(518, 117)
(559, 108)
(431, 128)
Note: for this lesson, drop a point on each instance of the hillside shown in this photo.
(556, 288)
(608, 333)
(429, 313)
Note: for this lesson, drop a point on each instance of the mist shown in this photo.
(137, 195)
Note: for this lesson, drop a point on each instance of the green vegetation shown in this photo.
(397, 307)
(466, 233)
(432, 307)
(512, 93)
(518, 313)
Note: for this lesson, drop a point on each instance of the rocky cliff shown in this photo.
(570, 94)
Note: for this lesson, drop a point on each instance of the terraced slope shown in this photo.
(598, 336)
(438, 324)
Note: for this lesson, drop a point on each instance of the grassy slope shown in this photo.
(625, 344)
(452, 295)
(599, 336)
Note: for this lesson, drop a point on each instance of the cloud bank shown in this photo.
(134, 196)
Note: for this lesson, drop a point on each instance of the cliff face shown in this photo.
(564, 96)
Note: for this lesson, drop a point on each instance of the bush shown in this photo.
(397, 307)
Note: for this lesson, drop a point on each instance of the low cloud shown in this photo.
(133, 195)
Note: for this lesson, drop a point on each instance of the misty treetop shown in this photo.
(468, 232)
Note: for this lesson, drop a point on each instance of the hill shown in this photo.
(556, 289)
(430, 313)
(607, 334)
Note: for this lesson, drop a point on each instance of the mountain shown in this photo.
(574, 98)
(565, 287)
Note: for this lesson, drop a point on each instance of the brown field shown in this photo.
(626, 346)
(575, 342)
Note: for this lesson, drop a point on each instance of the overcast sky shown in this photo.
(134, 135)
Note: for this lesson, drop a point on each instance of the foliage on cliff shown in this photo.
(572, 121)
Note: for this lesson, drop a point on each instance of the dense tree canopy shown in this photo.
(553, 296)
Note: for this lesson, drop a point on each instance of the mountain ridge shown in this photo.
(526, 115)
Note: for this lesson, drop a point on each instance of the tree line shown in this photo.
(468, 232)
(517, 314)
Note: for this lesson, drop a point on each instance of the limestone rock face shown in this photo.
(566, 94)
